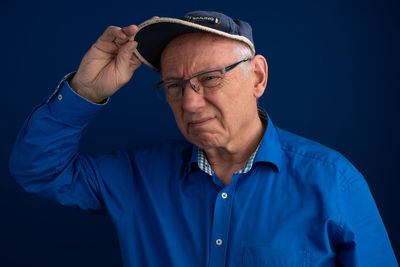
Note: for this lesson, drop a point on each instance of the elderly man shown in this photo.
(241, 192)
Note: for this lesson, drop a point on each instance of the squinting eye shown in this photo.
(171, 86)
(209, 78)
(173, 89)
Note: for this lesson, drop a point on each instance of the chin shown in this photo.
(205, 141)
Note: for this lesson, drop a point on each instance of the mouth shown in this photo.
(200, 122)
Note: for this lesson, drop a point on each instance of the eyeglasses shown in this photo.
(208, 81)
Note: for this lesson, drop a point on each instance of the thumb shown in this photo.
(127, 62)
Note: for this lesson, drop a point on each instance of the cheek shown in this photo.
(178, 115)
(236, 95)
(238, 104)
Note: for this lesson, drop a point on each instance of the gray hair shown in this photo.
(243, 51)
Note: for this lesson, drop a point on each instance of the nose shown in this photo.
(192, 101)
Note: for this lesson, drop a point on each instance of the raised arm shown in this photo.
(46, 158)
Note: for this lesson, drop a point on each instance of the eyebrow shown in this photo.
(169, 78)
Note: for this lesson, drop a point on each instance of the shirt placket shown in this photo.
(221, 226)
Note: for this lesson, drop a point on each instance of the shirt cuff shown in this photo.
(71, 108)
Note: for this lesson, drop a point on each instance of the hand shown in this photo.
(108, 65)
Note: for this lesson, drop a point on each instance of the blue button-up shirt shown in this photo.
(300, 204)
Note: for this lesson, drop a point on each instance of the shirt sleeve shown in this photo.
(46, 160)
(362, 238)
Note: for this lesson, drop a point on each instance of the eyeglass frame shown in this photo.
(182, 83)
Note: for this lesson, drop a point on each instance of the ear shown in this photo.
(260, 74)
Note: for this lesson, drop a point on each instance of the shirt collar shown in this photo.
(269, 150)
(205, 166)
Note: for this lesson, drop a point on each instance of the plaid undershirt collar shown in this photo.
(205, 166)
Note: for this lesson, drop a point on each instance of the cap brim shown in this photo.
(154, 34)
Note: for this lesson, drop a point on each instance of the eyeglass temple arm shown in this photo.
(234, 65)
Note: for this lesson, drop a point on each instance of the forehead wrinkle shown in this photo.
(197, 55)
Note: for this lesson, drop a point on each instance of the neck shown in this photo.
(225, 161)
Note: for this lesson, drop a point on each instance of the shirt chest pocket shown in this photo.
(271, 257)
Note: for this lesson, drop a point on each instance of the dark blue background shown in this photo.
(333, 77)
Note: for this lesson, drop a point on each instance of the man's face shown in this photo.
(221, 119)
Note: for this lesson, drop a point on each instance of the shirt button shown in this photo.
(59, 97)
(224, 195)
(218, 242)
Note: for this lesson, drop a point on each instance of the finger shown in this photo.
(120, 41)
(155, 17)
(130, 30)
(111, 33)
(126, 62)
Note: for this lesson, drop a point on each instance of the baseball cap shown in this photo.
(154, 34)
